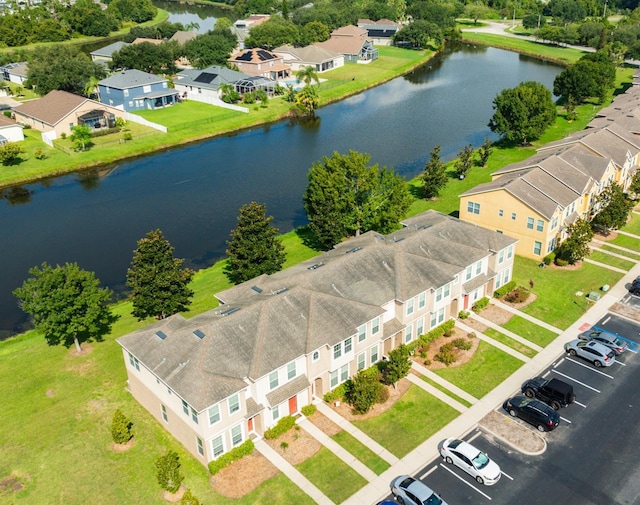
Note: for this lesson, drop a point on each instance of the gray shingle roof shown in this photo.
(107, 51)
(130, 79)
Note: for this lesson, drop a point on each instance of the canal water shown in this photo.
(193, 193)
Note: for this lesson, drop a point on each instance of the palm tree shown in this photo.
(192, 26)
(308, 75)
(91, 86)
(307, 100)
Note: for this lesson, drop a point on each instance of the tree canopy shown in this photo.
(87, 18)
(591, 76)
(159, 285)
(523, 113)
(434, 177)
(346, 196)
(419, 34)
(212, 48)
(62, 67)
(147, 57)
(576, 246)
(254, 248)
(273, 33)
(613, 209)
(67, 304)
(137, 11)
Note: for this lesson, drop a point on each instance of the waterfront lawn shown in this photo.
(614, 261)
(488, 367)
(331, 475)
(417, 415)
(531, 331)
(374, 462)
(508, 341)
(555, 288)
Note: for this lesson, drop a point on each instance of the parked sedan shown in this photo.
(473, 461)
(617, 345)
(535, 412)
(593, 351)
(410, 491)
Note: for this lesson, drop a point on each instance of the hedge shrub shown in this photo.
(244, 449)
(282, 426)
(480, 304)
(518, 295)
(503, 290)
(549, 258)
(462, 343)
(430, 336)
(337, 394)
(447, 354)
(560, 262)
(308, 410)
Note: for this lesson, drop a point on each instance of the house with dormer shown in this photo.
(260, 63)
(279, 342)
(353, 43)
(136, 90)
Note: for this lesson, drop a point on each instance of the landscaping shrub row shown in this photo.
(245, 449)
(282, 426)
(500, 292)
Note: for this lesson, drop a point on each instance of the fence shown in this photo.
(145, 122)
(197, 97)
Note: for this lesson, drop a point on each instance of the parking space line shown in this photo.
(461, 479)
(589, 368)
(474, 436)
(577, 381)
(606, 320)
(580, 404)
(428, 472)
(565, 420)
(506, 475)
(621, 363)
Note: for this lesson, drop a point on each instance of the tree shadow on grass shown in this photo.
(308, 238)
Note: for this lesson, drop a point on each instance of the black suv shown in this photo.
(553, 392)
(635, 287)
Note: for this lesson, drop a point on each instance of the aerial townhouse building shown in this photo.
(279, 342)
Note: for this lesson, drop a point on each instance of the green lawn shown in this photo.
(531, 331)
(614, 261)
(633, 226)
(508, 341)
(374, 462)
(488, 368)
(631, 255)
(445, 391)
(627, 242)
(417, 416)
(331, 475)
(555, 288)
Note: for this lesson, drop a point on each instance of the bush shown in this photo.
(7, 113)
(462, 343)
(500, 292)
(480, 304)
(168, 472)
(39, 154)
(427, 362)
(448, 332)
(244, 449)
(472, 335)
(120, 428)
(308, 410)
(282, 426)
(518, 295)
(104, 131)
(560, 262)
(284, 446)
(383, 395)
(463, 314)
(363, 391)
(447, 354)
(549, 258)
(126, 136)
(189, 499)
(337, 394)
(63, 135)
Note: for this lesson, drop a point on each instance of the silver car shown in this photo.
(410, 491)
(614, 343)
(600, 355)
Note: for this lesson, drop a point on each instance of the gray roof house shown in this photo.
(320, 58)
(135, 90)
(104, 55)
(278, 341)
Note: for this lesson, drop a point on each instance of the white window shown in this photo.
(108, 89)
(374, 354)
(478, 267)
(347, 345)
(217, 446)
(273, 380)
(362, 333)
(214, 414)
(422, 300)
(410, 306)
(540, 225)
(291, 370)
(473, 208)
(164, 85)
(275, 413)
(333, 379)
(164, 413)
(501, 213)
(344, 372)
(505, 276)
(194, 415)
(537, 247)
(362, 359)
(315, 356)
(438, 294)
(146, 88)
(437, 318)
(337, 351)
(554, 223)
(509, 252)
(408, 334)
(552, 245)
(468, 273)
(375, 326)
(131, 103)
(236, 435)
(498, 280)
(185, 407)
(234, 403)
(501, 256)
(200, 447)
(513, 216)
(420, 327)
(441, 316)
(134, 362)
(530, 221)
(126, 92)
(447, 290)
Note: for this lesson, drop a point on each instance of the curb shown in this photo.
(515, 447)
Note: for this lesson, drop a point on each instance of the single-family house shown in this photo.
(104, 55)
(182, 37)
(279, 342)
(319, 58)
(353, 43)
(262, 63)
(58, 111)
(135, 90)
(380, 32)
(10, 130)
(15, 72)
(141, 40)
(206, 82)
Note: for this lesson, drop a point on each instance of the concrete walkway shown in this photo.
(626, 233)
(461, 393)
(494, 343)
(529, 318)
(614, 246)
(604, 265)
(503, 330)
(434, 391)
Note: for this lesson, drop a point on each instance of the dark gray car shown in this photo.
(613, 342)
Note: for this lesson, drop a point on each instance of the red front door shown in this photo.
(466, 302)
(250, 424)
(293, 405)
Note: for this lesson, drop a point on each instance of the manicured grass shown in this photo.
(362, 452)
(331, 475)
(627, 242)
(411, 420)
(531, 331)
(631, 255)
(611, 260)
(508, 341)
(555, 288)
(488, 368)
(445, 391)
(633, 226)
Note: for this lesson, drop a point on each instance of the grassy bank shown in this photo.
(193, 121)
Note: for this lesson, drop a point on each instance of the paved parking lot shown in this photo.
(591, 457)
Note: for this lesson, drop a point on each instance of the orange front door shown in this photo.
(250, 424)
(293, 405)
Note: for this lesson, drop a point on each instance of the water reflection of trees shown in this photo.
(16, 195)
(202, 11)
(419, 75)
(307, 122)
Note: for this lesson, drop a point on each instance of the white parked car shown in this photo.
(591, 350)
(470, 459)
